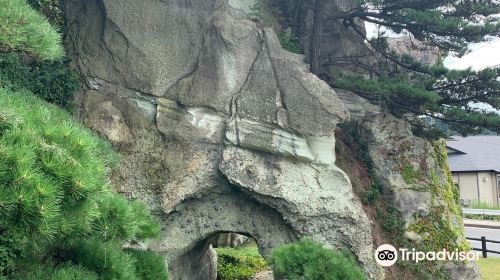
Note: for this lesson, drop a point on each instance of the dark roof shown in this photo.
(474, 153)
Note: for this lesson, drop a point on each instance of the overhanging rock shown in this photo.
(220, 130)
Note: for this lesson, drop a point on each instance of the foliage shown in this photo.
(435, 228)
(56, 206)
(149, 266)
(53, 81)
(448, 24)
(410, 174)
(351, 130)
(306, 259)
(290, 43)
(51, 9)
(65, 272)
(410, 89)
(373, 193)
(448, 97)
(482, 217)
(240, 263)
(402, 85)
(24, 30)
(254, 12)
(476, 204)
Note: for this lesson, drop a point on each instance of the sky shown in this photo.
(482, 55)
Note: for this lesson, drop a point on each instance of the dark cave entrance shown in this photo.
(222, 256)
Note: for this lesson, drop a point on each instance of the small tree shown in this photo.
(309, 260)
(57, 211)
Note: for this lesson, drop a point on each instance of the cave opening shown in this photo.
(238, 257)
(224, 256)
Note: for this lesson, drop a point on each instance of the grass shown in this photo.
(240, 263)
(475, 204)
(490, 268)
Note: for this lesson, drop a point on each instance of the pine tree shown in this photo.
(306, 259)
(409, 89)
(423, 94)
(59, 218)
(23, 29)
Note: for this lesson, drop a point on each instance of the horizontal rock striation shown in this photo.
(219, 128)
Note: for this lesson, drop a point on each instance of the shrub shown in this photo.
(373, 193)
(53, 81)
(51, 9)
(306, 259)
(110, 260)
(149, 266)
(23, 29)
(56, 207)
(65, 272)
(290, 43)
(239, 263)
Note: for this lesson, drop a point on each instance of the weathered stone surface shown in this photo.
(264, 275)
(359, 108)
(273, 139)
(231, 239)
(314, 199)
(411, 46)
(463, 272)
(337, 41)
(420, 197)
(220, 130)
(197, 220)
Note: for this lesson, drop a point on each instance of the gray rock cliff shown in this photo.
(220, 130)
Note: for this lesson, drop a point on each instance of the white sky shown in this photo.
(482, 55)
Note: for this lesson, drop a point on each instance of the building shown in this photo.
(475, 164)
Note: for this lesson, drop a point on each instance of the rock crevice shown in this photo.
(219, 128)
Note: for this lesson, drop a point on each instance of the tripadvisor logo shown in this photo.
(388, 255)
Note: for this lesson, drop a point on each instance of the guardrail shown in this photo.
(482, 212)
(484, 248)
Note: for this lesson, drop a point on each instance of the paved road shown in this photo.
(492, 234)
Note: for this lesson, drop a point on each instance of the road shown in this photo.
(492, 234)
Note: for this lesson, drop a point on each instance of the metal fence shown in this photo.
(484, 248)
(482, 212)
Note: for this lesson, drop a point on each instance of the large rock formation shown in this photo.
(417, 181)
(220, 130)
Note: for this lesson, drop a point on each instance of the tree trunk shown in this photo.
(315, 52)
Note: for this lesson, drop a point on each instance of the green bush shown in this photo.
(51, 9)
(23, 29)
(290, 43)
(53, 81)
(306, 259)
(373, 194)
(239, 263)
(110, 260)
(65, 272)
(56, 206)
(149, 266)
